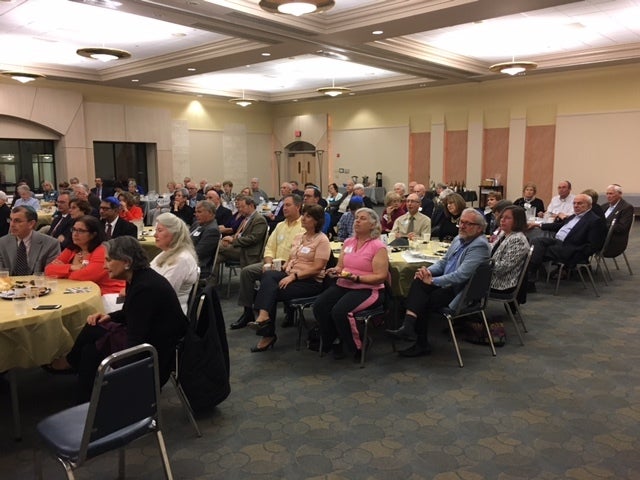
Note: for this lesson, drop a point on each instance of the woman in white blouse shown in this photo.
(178, 261)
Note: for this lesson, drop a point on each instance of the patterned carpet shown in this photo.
(564, 406)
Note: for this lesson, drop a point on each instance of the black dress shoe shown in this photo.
(401, 334)
(241, 322)
(416, 350)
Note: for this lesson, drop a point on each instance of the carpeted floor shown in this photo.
(566, 405)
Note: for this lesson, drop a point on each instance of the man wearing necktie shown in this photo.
(26, 251)
(246, 245)
(576, 238)
(114, 226)
(413, 223)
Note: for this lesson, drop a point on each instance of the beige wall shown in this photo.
(596, 114)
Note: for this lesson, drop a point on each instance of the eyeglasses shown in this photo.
(79, 230)
(463, 223)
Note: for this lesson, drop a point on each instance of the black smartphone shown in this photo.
(47, 307)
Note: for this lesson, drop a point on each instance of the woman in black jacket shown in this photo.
(151, 314)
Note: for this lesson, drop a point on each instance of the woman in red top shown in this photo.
(129, 211)
(84, 258)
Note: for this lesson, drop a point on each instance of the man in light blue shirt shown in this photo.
(442, 283)
(26, 198)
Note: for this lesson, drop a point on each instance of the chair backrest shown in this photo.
(476, 291)
(605, 251)
(264, 244)
(523, 272)
(193, 295)
(126, 391)
(215, 258)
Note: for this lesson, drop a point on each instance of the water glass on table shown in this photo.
(33, 294)
(39, 280)
(19, 305)
(52, 283)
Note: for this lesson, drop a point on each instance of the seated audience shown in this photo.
(26, 198)
(301, 276)
(345, 224)
(223, 214)
(597, 209)
(618, 208)
(529, 200)
(499, 207)
(181, 208)
(358, 189)
(445, 227)
(129, 211)
(151, 314)
(427, 204)
(205, 236)
(62, 221)
(442, 283)
(490, 215)
(576, 238)
(561, 206)
(362, 269)
(312, 196)
(5, 213)
(277, 215)
(393, 209)
(84, 258)
(26, 251)
(177, 262)
(77, 209)
(413, 224)
(114, 226)
(334, 197)
(49, 194)
(510, 250)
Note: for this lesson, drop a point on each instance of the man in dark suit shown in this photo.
(101, 191)
(426, 203)
(223, 214)
(577, 237)
(114, 226)
(205, 236)
(26, 251)
(618, 208)
(62, 221)
(277, 215)
(246, 245)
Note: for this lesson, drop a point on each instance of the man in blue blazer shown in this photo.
(40, 249)
(577, 237)
(205, 236)
(441, 284)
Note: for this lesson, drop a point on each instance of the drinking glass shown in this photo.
(39, 279)
(52, 283)
(19, 305)
(33, 294)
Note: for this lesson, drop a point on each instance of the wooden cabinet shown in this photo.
(483, 191)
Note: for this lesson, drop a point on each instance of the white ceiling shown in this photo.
(219, 47)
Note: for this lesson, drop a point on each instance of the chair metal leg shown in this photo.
(560, 268)
(455, 340)
(588, 270)
(615, 262)
(121, 464)
(363, 349)
(185, 403)
(624, 255)
(520, 317)
(486, 326)
(507, 307)
(68, 469)
(165, 458)
(15, 405)
(229, 283)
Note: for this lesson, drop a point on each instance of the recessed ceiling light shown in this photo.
(135, 80)
(191, 69)
(265, 54)
(377, 32)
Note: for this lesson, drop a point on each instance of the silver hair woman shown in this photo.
(178, 261)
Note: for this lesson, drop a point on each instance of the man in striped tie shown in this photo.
(26, 251)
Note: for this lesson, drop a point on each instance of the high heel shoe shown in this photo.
(259, 325)
(266, 347)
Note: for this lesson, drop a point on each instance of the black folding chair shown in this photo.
(123, 407)
(473, 302)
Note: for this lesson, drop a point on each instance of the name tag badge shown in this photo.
(348, 249)
(280, 238)
(197, 233)
(305, 250)
(406, 222)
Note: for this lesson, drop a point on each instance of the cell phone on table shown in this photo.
(47, 307)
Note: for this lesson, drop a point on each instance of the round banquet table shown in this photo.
(41, 335)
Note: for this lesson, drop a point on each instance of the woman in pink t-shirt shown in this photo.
(362, 269)
(301, 276)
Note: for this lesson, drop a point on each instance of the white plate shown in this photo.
(9, 294)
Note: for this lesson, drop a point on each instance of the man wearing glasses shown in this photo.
(114, 226)
(442, 283)
(412, 224)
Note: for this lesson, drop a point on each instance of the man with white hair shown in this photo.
(358, 190)
(426, 204)
(26, 198)
(618, 208)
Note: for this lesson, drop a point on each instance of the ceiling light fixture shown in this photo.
(513, 67)
(103, 54)
(243, 102)
(23, 77)
(333, 91)
(295, 7)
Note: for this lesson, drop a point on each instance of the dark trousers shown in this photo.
(270, 293)
(85, 358)
(424, 299)
(334, 311)
(546, 248)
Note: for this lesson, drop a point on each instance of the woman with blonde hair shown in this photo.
(178, 261)
(393, 210)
